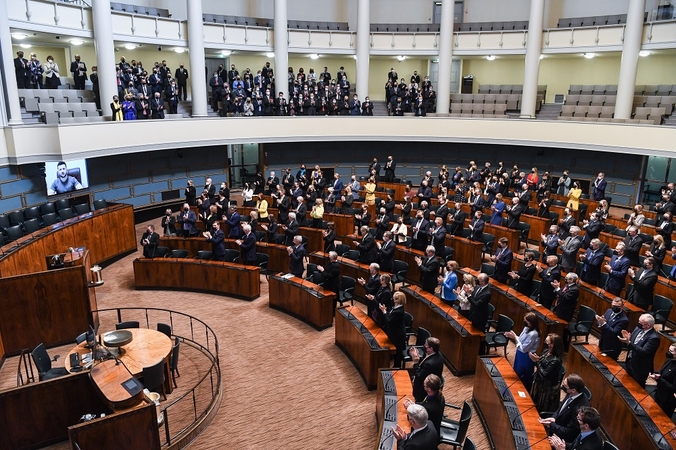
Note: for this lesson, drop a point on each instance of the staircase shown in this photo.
(379, 108)
(549, 111)
(185, 109)
(29, 118)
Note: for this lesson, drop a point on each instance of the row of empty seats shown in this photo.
(611, 89)
(57, 95)
(328, 26)
(487, 109)
(512, 101)
(136, 9)
(606, 119)
(406, 27)
(593, 100)
(508, 89)
(491, 26)
(51, 113)
(655, 101)
(238, 20)
(594, 21)
(654, 115)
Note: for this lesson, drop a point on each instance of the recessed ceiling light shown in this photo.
(401, 58)
(589, 55)
(644, 53)
(130, 46)
(225, 52)
(314, 56)
(25, 45)
(179, 49)
(19, 36)
(76, 41)
(490, 57)
(270, 54)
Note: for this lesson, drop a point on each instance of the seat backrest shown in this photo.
(153, 376)
(204, 254)
(100, 204)
(465, 417)
(179, 253)
(173, 363)
(342, 248)
(352, 254)
(82, 208)
(661, 302)
(14, 232)
(585, 314)
(66, 213)
(32, 212)
(164, 328)
(422, 336)
(504, 323)
(50, 219)
(16, 217)
(399, 266)
(609, 446)
(231, 254)
(408, 321)
(347, 282)
(127, 324)
(41, 359)
(468, 445)
(31, 225)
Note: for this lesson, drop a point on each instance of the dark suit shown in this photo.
(283, 206)
(301, 213)
(666, 386)
(386, 256)
(551, 245)
(632, 249)
(218, 244)
(564, 227)
(296, 260)
(619, 267)
(458, 223)
(153, 241)
(514, 215)
(438, 240)
(566, 300)
(429, 272)
(643, 288)
(615, 323)
(591, 231)
(565, 423)
(503, 264)
(591, 270)
(477, 233)
(331, 276)
(187, 222)
(395, 327)
(368, 252)
(233, 223)
(428, 365)
(569, 252)
(382, 297)
(425, 439)
(434, 405)
(248, 249)
(478, 312)
(592, 441)
(291, 231)
(547, 293)
(157, 108)
(641, 354)
(420, 237)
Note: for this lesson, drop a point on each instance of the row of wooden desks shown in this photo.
(629, 415)
(302, 299)
(394, 386)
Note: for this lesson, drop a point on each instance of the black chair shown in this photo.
(204, 254)
(153, 378)
(603, 280)
(128, 324)
(399, 271)
(352, 254)
(66, 213)
(620, 232)
(262, 262)
(62, 204)
(14, 232)
(469, 445)
(661, 309)
(173, 360)
(536, 253)
(495, 339)
(453, 433)
(488, 269)
(346, 292)
(537, 284)
(49, 219)
(310, 270)
(164, 328)
(16, 218)
(4, 222)
(582, 324)
(449, 252)
(100, 204)
(32, 213)
(490, 322)
(44, 364)
(524, 231)
(260, 236)
(609, 228)
(408, 325)
(161, 252)
(82, 208)
(341, 249)
(31, 225)
(488, 240)
(231, 255)
(420, 337)
(47, 208)
(179, 253)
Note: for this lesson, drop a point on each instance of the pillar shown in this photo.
(105, 53)
(13, 107)
(281, 48)
(363, 47)
(533, 51)
(198, 84)
(445, 57)
(633, 34)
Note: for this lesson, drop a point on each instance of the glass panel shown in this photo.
(657, 169)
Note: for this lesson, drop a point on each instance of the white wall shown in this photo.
(496, 10)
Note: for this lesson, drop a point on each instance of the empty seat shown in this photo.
(82, 208)
(31, 225)
(49, 219)
(63, 110)
(14, 232)
(585, 99)
(66, 213)
(32, 213)
(500, 109)
(62, 204)
(599, 89)
(567, 110)
(607, 112)
(641, 113)
(100, 204)
(572, 99)
(47, 113)
(598, 99)
(575, 89)
(16, 217)
(587, 89)
(594, 111)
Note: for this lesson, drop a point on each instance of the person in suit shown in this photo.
(666, 383)
(592, 260)
(429, 363)
(644, 284)
(442, 209)
(187, 220)
(181, 76)
(590, 437)
(665, 227)
(296, 254)
(368, 252)
(329, 236)
(476, 200)
(371, 285)
(658, 251)
(330, 273)
(420, 227)
(550, 242)
(611, 324)
(383, 296)
(642, 344)
(301, 210)
(545, 391)
(247, 246)
(567, 221)
(438, 236)
(386, 252)
(457, 219)
(423, 436)
(216, 83)
(157, 107)
(600, 187)
(168, 223)
(514, 213)
(617, 270)
(210, 189)
(476, 227)
(592, 229)
(503, 260)
(429, 269)
(22, 71)
(548, 275)
(382, 223)
(395, 326)
(150, 240)
(449, 283)
(563, 422)
(479, 299)
(217, 240)
(569, 248)
(566, 297)
(79, 70)
(497, 207)
(390, 167)
(290, 229)
(433, 402)
(524, 276)
(233, 220)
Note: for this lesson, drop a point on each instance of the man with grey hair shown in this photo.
(642, 345)
(368, 252)
(290, 229)
(247, 246)
(429, 269)
(592, 259)
(296, 254)
(569, 248)
(329, 274)
(423, 436)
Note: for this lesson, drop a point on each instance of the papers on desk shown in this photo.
(286, 276)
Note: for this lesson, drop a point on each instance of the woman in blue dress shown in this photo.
(129, 108)
(497, 208)
(449, 281)
(527, 342)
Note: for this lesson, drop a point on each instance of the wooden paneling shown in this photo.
(394, 385)
(348, 268)
(303, 299)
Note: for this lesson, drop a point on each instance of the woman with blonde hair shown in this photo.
(636, 218)
(370, 189)
(52, 80)
(395, 326)
(574, 196)
(463, 293)
(658, 250)
(317, 213)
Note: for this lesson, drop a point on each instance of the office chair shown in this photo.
(44, 364)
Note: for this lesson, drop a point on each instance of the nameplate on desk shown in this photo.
(133, 386)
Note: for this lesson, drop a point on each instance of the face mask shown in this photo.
(525, 324)
(616, 309)
(564, 389)
(669, 355)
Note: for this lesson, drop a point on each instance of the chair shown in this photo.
(310, 270)
(128, 324)
(420, 338)
(31, 225)
(524, 231)
(346, 292)
(583, 323)
(44, 364)
(341, 249)
(100, 204)
(469, 445)
(260, 236)
(408, 325)
(49, 219)
(66, 213)
(490, 322)
(661, 309)
(352, 254)
(153, 378)
(399, 271)
(47, 208)
(204, 254)
(453, 433)
(164, 328)
(4, 222)
(173, 360)
(489, 240)
(14, 232)
(488, 269)
(449, 253)
(16, 218)
(231, 255)
(161, 251)
(62, 204)
(609, 228)
(179, 253)
(32, 213)
(603, 280)
(262, 262)
(497, 338)
(82, 208)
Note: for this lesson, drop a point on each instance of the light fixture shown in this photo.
(542, 56)
(436, 60)
(25, 45)
(400, 58)
(490, 57)
(589, 55)
(225, 52)
(354, 57)
(179, 49)
(314, 56)
(270, 54)
(19, 36)
(130, 46)
(76, 41)
(644, 53)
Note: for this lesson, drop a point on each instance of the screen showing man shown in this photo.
(66, 180)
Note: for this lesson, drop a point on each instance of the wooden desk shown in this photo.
(511, 234)
(364, 342)
(515, 305)
(467, 253)
(108, 377)
(629, 415)
(460, 341)
(399, 188)
(538, 226)
(503, 404)
(394, 386)
(214, 277)
(305, 300)
(348, 268)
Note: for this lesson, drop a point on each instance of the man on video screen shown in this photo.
(64, 182)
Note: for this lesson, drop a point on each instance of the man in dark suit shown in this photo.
(438, 236)
(617, 271)
(566, 297)
(79, 70)
(211, 190)
(247, 246)
(216, 83)
(271, 183)
(567, 221)
(476, 227)
(233, 220)
(503, 260)
(431, 362)
(187, 220)
(301, 210)
(429, 270)
(423, 436)
(390, 167)
(371, 286)
(569, 248)
(458, 222)
(217, 239)
(563, 422)
(368, 252)
(157, 107)
(386, 252)
(590, 437)
(550, 242)
(600, 187)
(476, 200)
(666, 383)
(611, 324)
(644, 284)
(592, 229)
(514, 213)
(22, 70)
(547, 275)
(442, 210)
(592, 259)
(374, 168)
(382, 223)
(479, 300)
(181, 76)
(420, 228)
(291, 229)
(633, 243)
(283, 204)
(296, 255)
(330, 273)
(150, 240)
(642, 345)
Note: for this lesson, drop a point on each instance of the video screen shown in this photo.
(66, 176)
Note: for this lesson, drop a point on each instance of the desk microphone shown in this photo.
(660, 440)
(533, 445)
(505, 390)
(513, 423)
